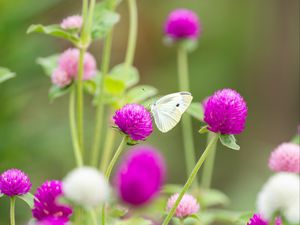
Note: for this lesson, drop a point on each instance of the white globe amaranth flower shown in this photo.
(86, 186)
(280, 194)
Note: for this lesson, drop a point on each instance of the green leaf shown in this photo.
(118, 212)
(203, 130)
(296, 139)
(140, 93)
(229, 141)
(1, 195)
(49, 64)
(113, 86)
(56, 92)
(194, 216)
(244, 218)
(90, 86)
(189, 44)
(28, 198)
(5, 74)
(195, 110)
(55, 31)
(104, 20)
(211, 197)
(129, 75)
(172, 188)
(133, 221)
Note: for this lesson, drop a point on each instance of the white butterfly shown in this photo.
(167, 111)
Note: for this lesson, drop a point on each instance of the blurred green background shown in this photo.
(251, 46)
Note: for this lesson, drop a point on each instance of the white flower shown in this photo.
(280, 193)
(86, 186)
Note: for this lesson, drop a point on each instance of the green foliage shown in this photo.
(196, 111)
(229, 141)
(209, 198)
(1, 195)
(55, 31)
(203, 130)
(140, 93)
(127, 74)
(5, 74)
(48, 63)
(133, 220)
(104, 20)
(244, 218)
(28, 199)
(118, 212)
(56, 91)
(296, 139)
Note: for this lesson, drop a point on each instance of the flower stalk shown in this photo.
(191, 178)
(12, 210)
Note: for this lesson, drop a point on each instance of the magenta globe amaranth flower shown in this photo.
(182, 24)
(187, 206)
(46, 202)
(135, 121)
(225, 112)
(52, 221)
(257, 220)
(140, 175)
(285, 158)
(14, 182)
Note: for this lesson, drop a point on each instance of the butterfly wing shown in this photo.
(167, 111)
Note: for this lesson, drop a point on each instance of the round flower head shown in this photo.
(72, 23)
(278, 221)
(285, 158)
(140, 175)
(52, 221)
(14, 182)
(225, 112)
(187, 206)
(60, 78)
(182, 24)
(46, 202)
(86, 186)
(69, 60)
(135, 121)
(280, 194)
(257, 220)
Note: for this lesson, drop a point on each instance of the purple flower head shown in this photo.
(135, 121)
(14, 182)
(52, 221)
(140, 175)
(182, 24)
(187, 206)
(285, 158)
(278, 221)
(72, 22)
(257, 220)
(46, 205)
(225, 112)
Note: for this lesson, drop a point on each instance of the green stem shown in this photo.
(76, 146)
(93, 216)
(187, 128)
(133, 30)
(100, 103)
(209, 165)
(191, 178)
(12, 210)
(108, 146)
(110, 168)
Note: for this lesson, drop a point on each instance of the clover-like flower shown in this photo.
(72, 23)
(187, 206)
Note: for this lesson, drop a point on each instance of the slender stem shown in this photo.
(107, 151)
(75, 141)
(133, 30)
(187, 128)
(12, 210)
(93, 216)
(191, 178)
(110, 168)
(209, 165)
(100, 103)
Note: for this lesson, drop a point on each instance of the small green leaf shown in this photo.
(211, 197)
(56, 92)
(5, 74)
(55, 31)
(229, 141)
(90, 86)
(196, 111)
(129, 75)
(189, 44)
(1, 195)
(113, 86)
(244, 218)
(118, 212)
(194, 216)
(203, 130)
(140, 93)
(48, 63)
(172, 188)
(104, 20)
(133, 221)
(28, 198)
(296, 139)
(131, 142)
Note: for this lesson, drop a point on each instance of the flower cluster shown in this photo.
(46, 206)
(14, 182)
(72, 23)
(285, 158)
(257, 219)
(135, 121)
(187, 206)
(140, 175)
(225, 112)
(68, 64)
